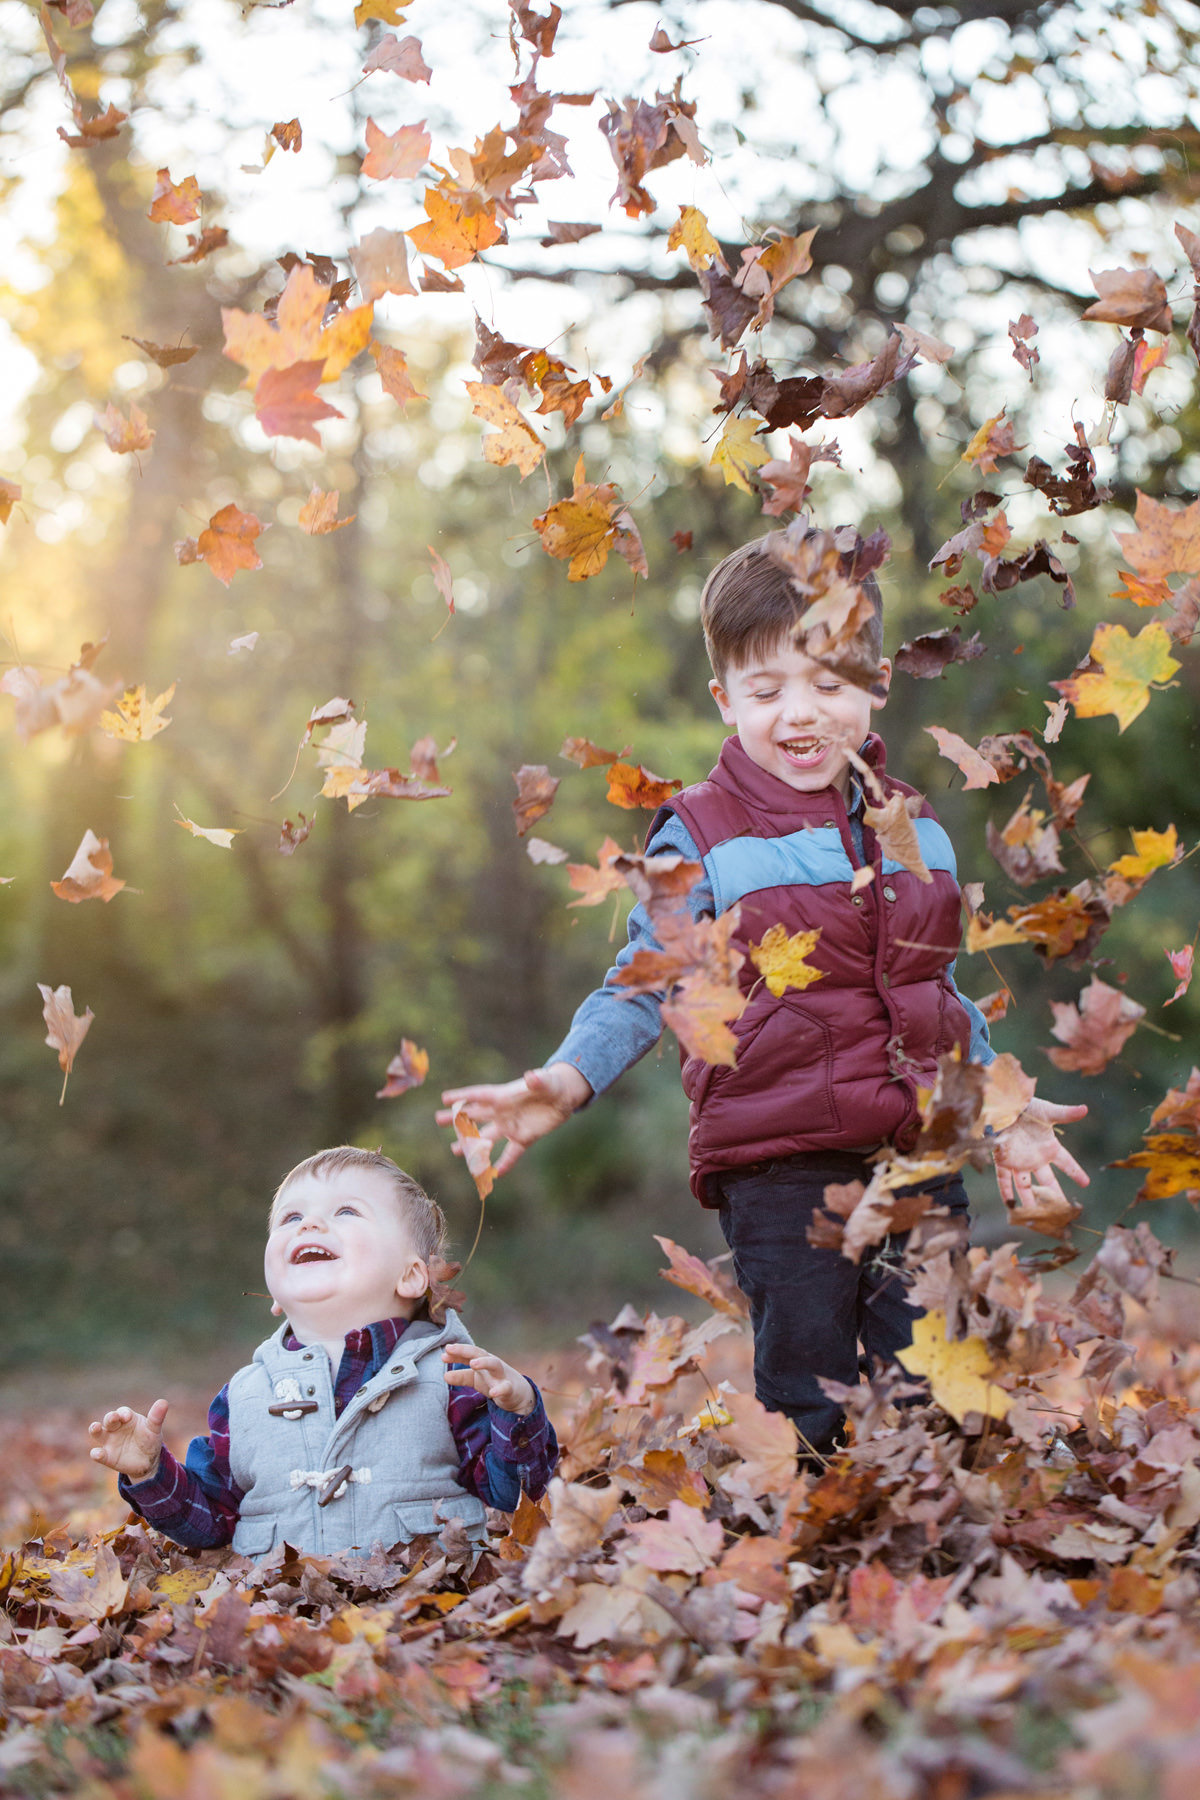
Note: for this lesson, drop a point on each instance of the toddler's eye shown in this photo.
(352, 1210)
(288, 1218)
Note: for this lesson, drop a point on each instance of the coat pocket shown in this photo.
(426, 1518)
(254, 1537)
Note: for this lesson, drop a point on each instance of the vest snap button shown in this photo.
(856, 899)
(312, 1390)
(889, 893)
(308, 1355)
(828, 825)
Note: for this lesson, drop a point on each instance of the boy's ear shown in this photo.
(722, 699)
(885, 682)
(413, 1281)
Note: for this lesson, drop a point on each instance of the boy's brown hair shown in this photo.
(749, 602)
(423, 1216)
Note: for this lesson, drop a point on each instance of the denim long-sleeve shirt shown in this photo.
(612, 1029)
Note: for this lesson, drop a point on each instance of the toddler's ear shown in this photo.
(413, 1281)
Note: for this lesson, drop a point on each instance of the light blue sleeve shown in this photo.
(613, 1028)
(981, 1048)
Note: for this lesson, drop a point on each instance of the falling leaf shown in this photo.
(174, 203)
(995, 438)
(291, 836)
(226, 544)
(957, 1370)
(1096, 1031)
(136, 719)
(202, 244)
(515, 440)
(979, 772)
(738, 451)
(1126, 671)
(1135, 297)
(381, 264)
(781, 959)
(1152, 850)
(10, 493)
(66, 1029)
(630, 785)
(1166, 542)
(586, 755)
(318, 515)
(298, 333)
(691, 234)
(390, 12)
(125, 435)
(536, 788)
(538, 850)
(1028, 847)
(1181, 967)
(458, 226)
(399, 156)
(442, 578)
(564, 232)
(1022, 331)
(704, 1279)
(699, 1012)
(393, 372)
(398, 56)
(288, 134)
(94, 131)
(89, 876)
(585, 527)
(893, 826)
(1172, 1164)
(246, 642)
(286, 404)
(407, 1070)
(594, 885)
(166, 356)
(215, 834)
(476, 1152)
(931, 654)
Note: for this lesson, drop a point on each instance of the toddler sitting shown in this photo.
(363, 1419)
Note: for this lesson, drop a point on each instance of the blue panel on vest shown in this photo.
(745, 865)
(936, 849)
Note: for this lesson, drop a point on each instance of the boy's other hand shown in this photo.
(520, 1111)
(127, 1441)
(488, 1375)
(1027, 1154)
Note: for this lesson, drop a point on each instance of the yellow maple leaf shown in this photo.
(389, 12)
(297, 333)
(691, 233)
(456, 231)
(579, 528)
(137, 718)
(957, 1372)
(738, 451)
(986, 934)
(1152, 850)
(1129, 667)
(781, 959)
(1166, 542)
(514, 440)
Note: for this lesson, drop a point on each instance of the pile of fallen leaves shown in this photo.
(991, 1591)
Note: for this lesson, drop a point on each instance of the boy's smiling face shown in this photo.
(795, 718)
(339, 1253)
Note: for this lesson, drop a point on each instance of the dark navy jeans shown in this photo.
(810, 1308)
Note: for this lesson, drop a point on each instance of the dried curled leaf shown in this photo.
(407, 1069)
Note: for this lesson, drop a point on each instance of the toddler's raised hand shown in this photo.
(487, 1374)
(127, 1441)
(521, 1111)
(1027, 1153)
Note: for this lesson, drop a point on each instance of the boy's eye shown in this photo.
(352, 1210)
(287, 1218)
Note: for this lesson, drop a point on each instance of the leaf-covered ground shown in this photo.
(951, 1609)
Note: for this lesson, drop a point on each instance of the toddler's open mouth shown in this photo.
(304, 1253)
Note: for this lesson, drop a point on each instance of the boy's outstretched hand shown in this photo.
(521, 1111)
(488, 1375)
(127, 1441)
(1027, 1153)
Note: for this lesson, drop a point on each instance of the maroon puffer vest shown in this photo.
(837, 1065)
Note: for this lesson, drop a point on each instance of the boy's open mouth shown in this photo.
(808, 747)
(312, 1253)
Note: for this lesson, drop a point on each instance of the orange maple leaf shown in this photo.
(318, 515)
(1096, 1030)
(174, 203)
(287, 405)
(397, 156)
(631, 786)
(125, 435)
(406, 1070)
(226, 544)
(393, 372)
(459, 226)
(1166, 542)
(298, 333)
(89, 875)
(514, 440)
(585, 527)
(594, 885)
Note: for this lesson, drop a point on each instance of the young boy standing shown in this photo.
(363, 1419)
(826, 1076)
